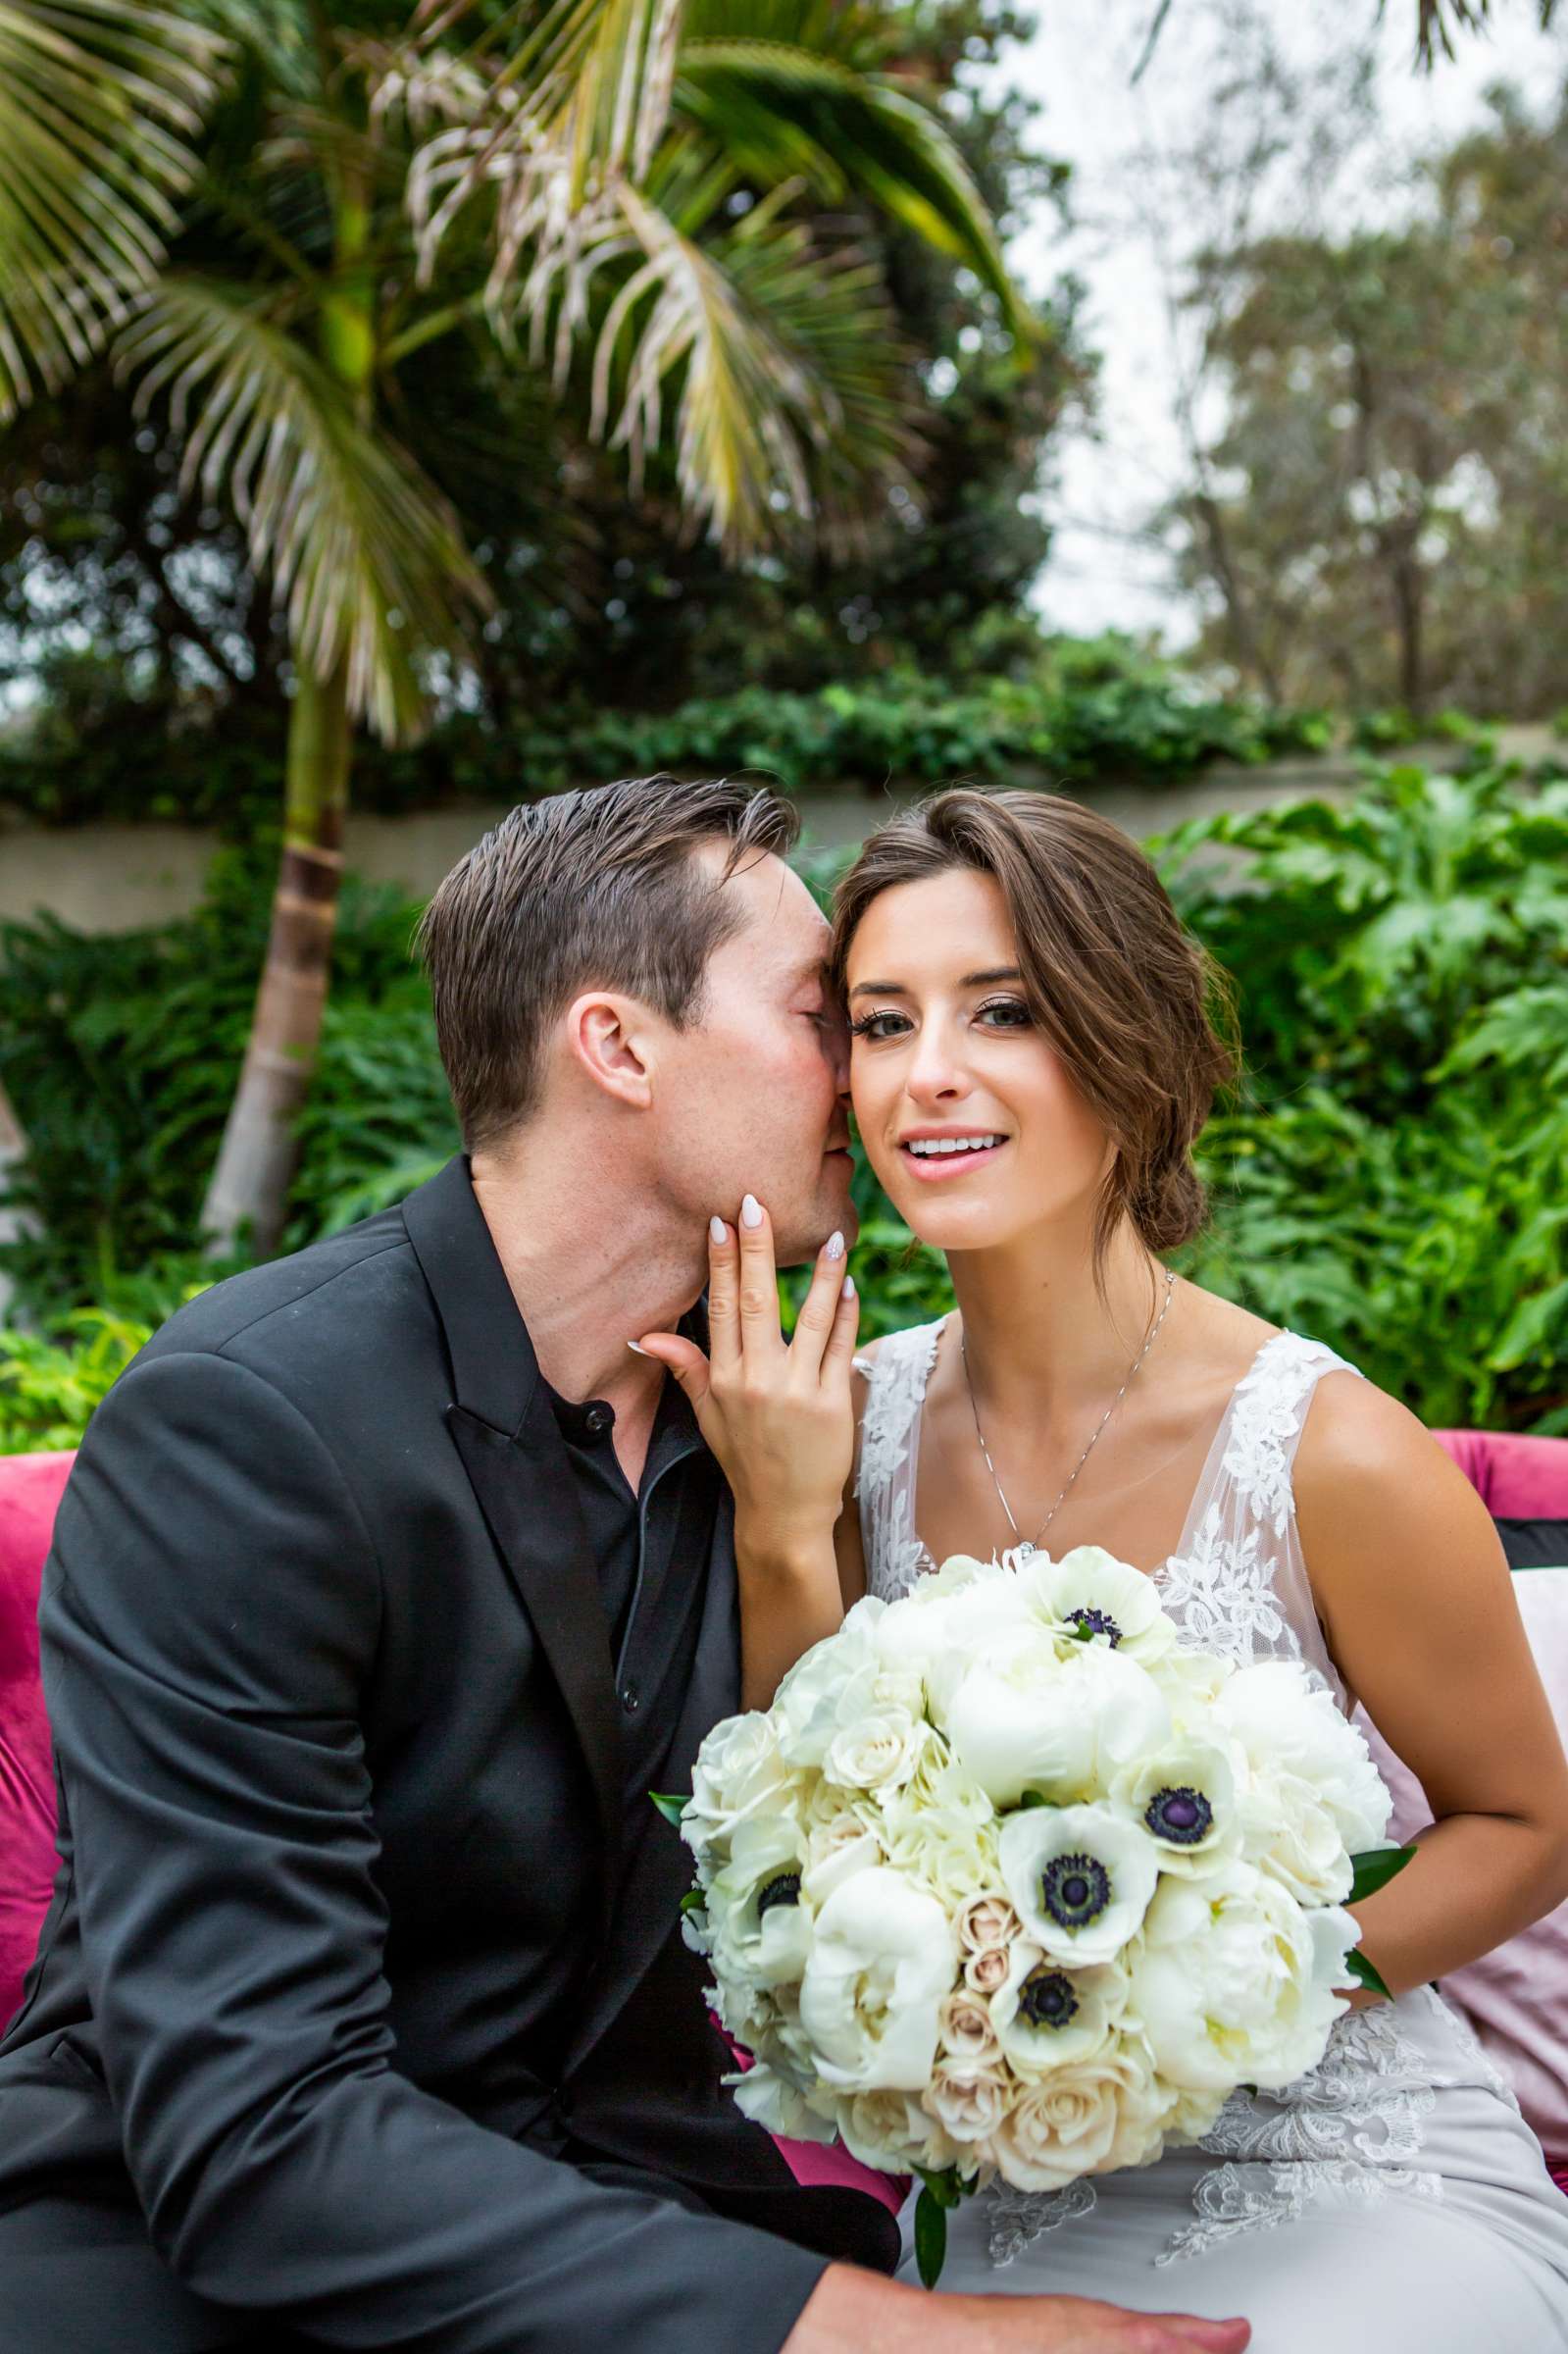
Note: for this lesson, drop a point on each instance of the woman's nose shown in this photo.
(933, 1075)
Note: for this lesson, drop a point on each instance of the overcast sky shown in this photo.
(1078, 63)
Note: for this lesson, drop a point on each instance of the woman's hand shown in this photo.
(777, 1415)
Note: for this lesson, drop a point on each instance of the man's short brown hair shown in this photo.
(577, 891)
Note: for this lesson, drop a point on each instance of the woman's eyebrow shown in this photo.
(896, 989)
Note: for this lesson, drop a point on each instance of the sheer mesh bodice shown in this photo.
(1356, 2126)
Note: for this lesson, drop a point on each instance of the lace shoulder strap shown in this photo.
(889, 1448)
(1238, 1581)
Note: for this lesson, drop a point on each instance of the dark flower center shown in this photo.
(1091, 1623)
(784, 1890)
(1046, 1999)
(1074, 1890)
(1183, 1816)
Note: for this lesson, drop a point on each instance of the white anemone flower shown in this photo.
(1186, 1797)
(758, 1929)
(1080, 1877)
(1045, 2016)
(1090, 1596)
(881, 1959)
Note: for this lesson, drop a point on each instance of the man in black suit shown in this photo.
(386, 1585)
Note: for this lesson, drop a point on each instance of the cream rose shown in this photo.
(1092, 2118)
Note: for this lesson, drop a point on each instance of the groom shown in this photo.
(386, 1585)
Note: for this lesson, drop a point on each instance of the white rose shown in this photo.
(738, 1772)
(967, 2098)
(834, 1851)
(965, 2032)
(1287, 1724)
(1185, 1796)
(876, 1751)
(1080, 1877)
(889, 2130)
(944, 1844)
(987, 1919)
(1190, 1682)
(1046, 2018)
(1092, 2118)
(773, 2103)
(758, 1928)
(881, 1959)
(1088, 1595)
(1234, 1982)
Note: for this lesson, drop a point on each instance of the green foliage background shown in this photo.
(1391, 1179)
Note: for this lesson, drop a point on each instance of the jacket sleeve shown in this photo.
(210, 1614)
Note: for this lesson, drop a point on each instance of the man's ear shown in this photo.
(609, 1038)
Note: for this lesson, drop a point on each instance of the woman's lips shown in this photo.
(931, 1169)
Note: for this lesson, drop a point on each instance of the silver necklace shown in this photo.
(1033, 1544)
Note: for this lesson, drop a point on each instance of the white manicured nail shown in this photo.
(751, 1212)
(849, 1286)
(718, 1231)
(636, 1348)
(836, 1245)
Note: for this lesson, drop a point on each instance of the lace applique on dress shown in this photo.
(1233, 2199)
(1018, 2217)
(888, 1433)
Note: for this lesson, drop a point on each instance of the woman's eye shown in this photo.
(878, 1025)
(1010, 1014)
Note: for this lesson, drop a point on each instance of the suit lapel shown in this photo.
(510, 1449)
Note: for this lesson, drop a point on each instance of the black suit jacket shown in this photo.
(353, 1976)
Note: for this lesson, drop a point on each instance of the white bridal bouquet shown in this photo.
(1008, 1882)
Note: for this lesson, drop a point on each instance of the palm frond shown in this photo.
(779, 109)
(99, 103)
(778, 361)
(363, 551)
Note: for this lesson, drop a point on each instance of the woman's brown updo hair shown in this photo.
(1138, 1013)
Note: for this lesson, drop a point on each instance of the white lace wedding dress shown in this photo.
(1391, 2202)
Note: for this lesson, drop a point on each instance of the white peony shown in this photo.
(806, 1708)
(1234, 1982)
(1088, 1595)
(1081, 1878)
(882, 1958)
(1184, 1795)
(1287, 1724)
(1031, 1721)
(1046, 2018)
(1292, 1834)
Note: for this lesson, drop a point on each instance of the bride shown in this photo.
(1031, 1057)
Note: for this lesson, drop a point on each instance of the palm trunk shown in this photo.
(248, 1196)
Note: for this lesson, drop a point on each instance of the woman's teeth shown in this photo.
(926, 1147)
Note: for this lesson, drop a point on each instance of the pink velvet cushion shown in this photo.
(1516, 1998)
(1517, 1478)
(30, 1491)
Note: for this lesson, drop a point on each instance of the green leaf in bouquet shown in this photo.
(931, 2237)
(1032, 1798)
(1366, 1973)
(939, 2190)
(671, 1808)
(695, 1900)
(1374, 1868)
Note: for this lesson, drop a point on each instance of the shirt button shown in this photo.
(630, 1698)
(599, 1418)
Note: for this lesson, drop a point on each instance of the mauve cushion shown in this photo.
(1517, 1998)
(30, 1491)
(1516, 1478)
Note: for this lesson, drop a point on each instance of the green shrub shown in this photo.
(1391, 1179)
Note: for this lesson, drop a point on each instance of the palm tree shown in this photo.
(666, 197)
(99, 103)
